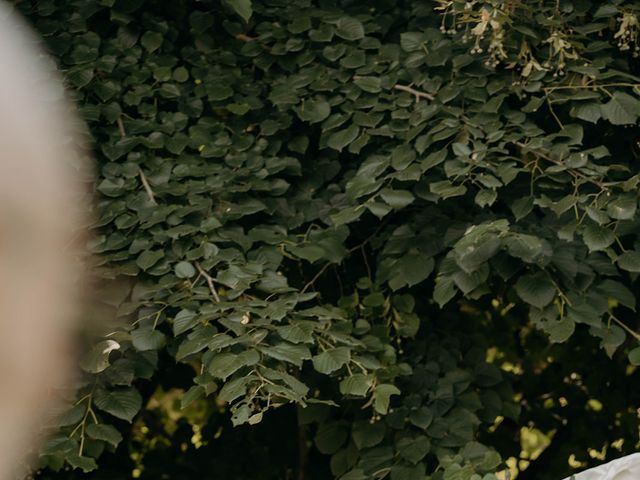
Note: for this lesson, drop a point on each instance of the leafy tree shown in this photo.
(384, 239)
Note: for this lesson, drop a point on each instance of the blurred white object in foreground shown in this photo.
(41, 197)
(625, 468)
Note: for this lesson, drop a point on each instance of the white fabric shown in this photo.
(39, 202)
(625, 468)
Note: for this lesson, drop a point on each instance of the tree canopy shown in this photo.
(385, 239)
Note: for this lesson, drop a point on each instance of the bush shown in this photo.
(412, 225)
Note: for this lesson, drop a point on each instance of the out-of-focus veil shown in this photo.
(43, 200)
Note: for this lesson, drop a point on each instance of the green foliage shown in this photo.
(368, 210)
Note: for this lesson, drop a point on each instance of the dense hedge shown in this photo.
(415, 220)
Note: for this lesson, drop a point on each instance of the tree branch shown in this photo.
(316, 277)
(209, 279)
(147, 187)
(417, 93)
(143, 177)
(245, 38)
(123, 132)
(575, 173)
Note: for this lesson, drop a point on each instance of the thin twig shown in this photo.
(371, 236)
(350, 251)
(631, 332)
(245, 38)
(594, 86)
(553, 113)
(147, 187)
(143, 177)
(339, 280)
(366, 262)
(123, 132)
(575, 173)
(417, 93)
(316, 277)
(209, 280)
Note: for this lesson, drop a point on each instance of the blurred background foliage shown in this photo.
(355, 240)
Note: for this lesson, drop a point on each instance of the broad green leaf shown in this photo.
(402, 156)
(201, 338)
(368, 434)
(238, 108)
(347, 215)
(434, 159)
(445, 290)
(288, 352)
(151, 41)
(407, 324)
(149, 258)
(634, 356)
(357, 384)
(598, 216)
(623, 207)
(445, 189)
(314, 111)
(330, 437)
(584, 313)
(397, 198)
(468, 282)
(222, 365)
(349, 28)
(144, 339)
(522, 207)
(617, 291)
(121, 403)
(107, 433)
(597, 237)
(194, 393)
(59, 445)
(298, 389)
(80, 77)
(422, 417)
(525, 247)
(374, 299)
(629, 261)
(311, 253)
(382, 397)
(298, 332)
(622, 109)
(411, 41)
(180, 74)
(589, 112)
(368, 84)
(460, 149)
(86, 464)
(72, 416)
(606, 10)
(331, 360)
(184, 320)
(486, 198)
(97, 359)
(536, 102)
(411, 269)
(470, 256)
(342, 138)
(611, 337)
(559, 331)
(413, 449)
(241, 7)
(417, 472)
(536, 289)
(233, 389)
